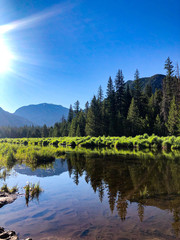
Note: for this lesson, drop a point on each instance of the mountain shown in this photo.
(43, 113)
(9, 119)
(155, 81)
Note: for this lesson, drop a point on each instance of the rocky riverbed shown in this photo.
(6, 198)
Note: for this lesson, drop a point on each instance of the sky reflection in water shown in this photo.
(94, 197)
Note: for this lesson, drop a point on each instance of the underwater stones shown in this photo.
(9, 235)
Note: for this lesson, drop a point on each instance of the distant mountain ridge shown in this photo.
(49, 114)
(43, 113)
(155, 81)
(11, 120)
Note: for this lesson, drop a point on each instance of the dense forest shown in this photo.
(121, 112)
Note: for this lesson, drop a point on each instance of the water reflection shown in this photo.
(48, 170)
(32, 191)
(148, 179)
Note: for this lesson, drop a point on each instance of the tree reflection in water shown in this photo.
(145, 178)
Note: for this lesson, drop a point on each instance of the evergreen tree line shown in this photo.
(122, 112)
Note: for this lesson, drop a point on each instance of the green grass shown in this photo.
(32, 191)
(138, 142)
(6, 189)
(38, 151)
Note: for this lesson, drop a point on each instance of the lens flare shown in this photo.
(35, 19)
(23, 24)
(5, 57)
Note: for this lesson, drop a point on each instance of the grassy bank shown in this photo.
(41, 151)
(139, 142)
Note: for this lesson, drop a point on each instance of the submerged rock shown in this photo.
(9, 235)
(6, 198)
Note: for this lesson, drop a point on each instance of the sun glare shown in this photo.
(5, 57)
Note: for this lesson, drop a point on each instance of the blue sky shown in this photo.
(63, 50)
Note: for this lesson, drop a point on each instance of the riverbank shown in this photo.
(139, 142)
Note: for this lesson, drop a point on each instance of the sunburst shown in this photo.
(5, 56)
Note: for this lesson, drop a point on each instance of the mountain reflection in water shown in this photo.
(144, 179)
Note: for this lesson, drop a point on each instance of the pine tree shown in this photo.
(146, 124)
(138, 95)
(73, 127)
(120, 125)
(154, 103)
(172, 118)
(64, 127)
(100, 96)
(169, 67)
(38, 133)
(151, 112)
(120, 92)
(86, 108)
(158, 128)
(45, 132)
(78, 133)
(128, 99)
(76, 107)
(137, 85)
(100, 99)
(134, 120)
(105, 121)
(93, 124)
(168, 86)
(110, 88)
(56, 130)
(70, 115)
(157, 101)
(51, 132)
(81, 123)
(148, 91)
(177, 85)
(111, 108)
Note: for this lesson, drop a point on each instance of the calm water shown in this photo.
(89, 197)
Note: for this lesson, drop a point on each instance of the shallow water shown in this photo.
(90, 197)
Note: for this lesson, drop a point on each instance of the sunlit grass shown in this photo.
(38, 151)
(32, 191)
(6, 189)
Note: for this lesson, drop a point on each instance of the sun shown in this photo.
(5, 57)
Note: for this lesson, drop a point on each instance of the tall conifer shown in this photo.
(120, 92)
(172, 121)
(111, 108)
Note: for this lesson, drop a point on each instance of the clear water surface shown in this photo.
(130, 196)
